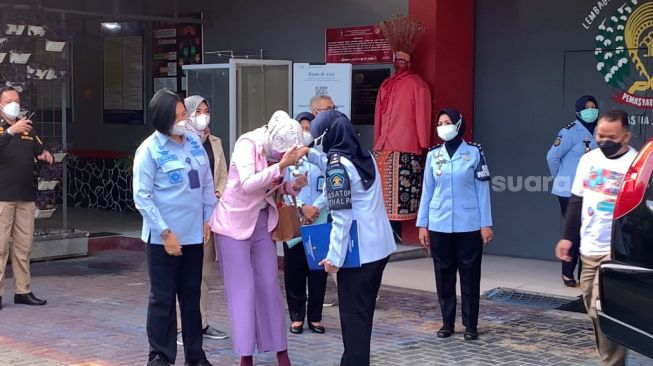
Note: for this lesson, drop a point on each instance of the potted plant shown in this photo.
(19, 56)
(56, 39)
(45, 205)
(14, 29)
(35, 30)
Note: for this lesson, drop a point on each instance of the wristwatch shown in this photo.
(9, 131)
(165, 234)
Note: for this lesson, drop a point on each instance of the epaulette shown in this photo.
(435, 147)
(334, 159)
(570, 125)
(475, 144)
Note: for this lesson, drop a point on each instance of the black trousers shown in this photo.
(357, 291)
(172, 276)
(569, 267)
(462, 253)
(296, 272)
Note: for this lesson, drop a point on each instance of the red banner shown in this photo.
(633, 100)
(357, 45)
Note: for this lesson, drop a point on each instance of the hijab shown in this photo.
(192, 103)
(455, 116)
(580, 105)
(341, 138)
(280, 134)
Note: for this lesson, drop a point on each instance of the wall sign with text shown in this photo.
(357, 45)
(333, 80)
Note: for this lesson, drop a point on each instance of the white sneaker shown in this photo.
(180, 339)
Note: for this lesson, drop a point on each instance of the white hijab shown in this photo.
(282, 133)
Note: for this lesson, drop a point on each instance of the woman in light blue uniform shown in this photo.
(353, 192)
(173, 191)
(455, 220)
(572, 142)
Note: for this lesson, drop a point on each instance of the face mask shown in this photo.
(448, 132)
(589, 115)
(11, 110)
(308, 138)
(178, 128)
(200, 122)
(609, 148)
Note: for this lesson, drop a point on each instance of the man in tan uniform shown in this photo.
(18, 150)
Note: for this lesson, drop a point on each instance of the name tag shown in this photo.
(166, 158)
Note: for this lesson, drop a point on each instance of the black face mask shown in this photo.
(609, 148)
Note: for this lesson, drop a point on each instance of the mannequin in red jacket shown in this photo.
(402, 131)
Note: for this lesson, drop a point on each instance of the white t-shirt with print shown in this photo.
(598, 181)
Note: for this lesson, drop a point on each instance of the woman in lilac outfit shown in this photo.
(243, 220)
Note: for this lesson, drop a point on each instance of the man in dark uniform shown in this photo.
(18, 150)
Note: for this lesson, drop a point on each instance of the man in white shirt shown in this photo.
(599, 177)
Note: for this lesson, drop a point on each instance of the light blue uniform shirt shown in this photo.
(375, 238)
(455, 191)
(317, 158)
(164, 192)
(312, 194)
(572, 142)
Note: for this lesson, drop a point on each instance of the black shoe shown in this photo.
(157, 361)
(470, 335)
(569, 283)
(319, 329)
(445, 333)
(202, 362)
(297, 330)
(28, 299)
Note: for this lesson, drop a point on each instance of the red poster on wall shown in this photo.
(357, 45)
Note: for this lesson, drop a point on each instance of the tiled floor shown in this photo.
(97, 306)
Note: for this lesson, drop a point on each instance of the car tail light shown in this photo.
(635, 182)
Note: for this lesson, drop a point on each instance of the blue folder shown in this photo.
(316, 245)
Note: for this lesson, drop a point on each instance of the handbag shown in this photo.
(288, 225)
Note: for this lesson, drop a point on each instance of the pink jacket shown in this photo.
(249, 179)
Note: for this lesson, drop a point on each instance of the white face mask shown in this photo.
(200, 121)
(11, 110)
(179, 128)
(448, 132)
(308, 138)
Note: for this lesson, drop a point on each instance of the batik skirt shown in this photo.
(401, 179)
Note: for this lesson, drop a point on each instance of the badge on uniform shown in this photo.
(557, 141)
(338, 185)
(320, 183)
(467, 156)
(482, 171)
(175, 177)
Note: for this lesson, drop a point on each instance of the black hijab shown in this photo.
(341, 138)
(455, 116)
(580, 105)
